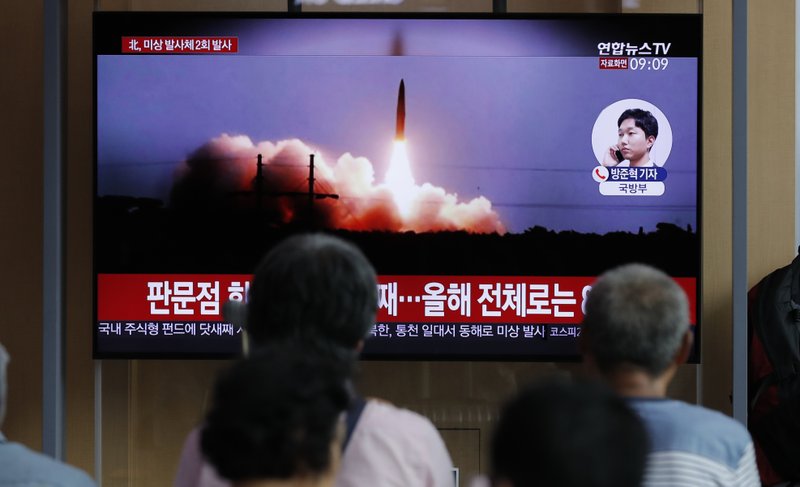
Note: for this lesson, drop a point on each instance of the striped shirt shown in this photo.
(694, 446)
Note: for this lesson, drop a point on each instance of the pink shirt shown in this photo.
(390, 447)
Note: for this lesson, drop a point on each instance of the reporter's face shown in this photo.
(632, 142)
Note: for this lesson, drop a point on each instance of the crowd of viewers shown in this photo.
(619, 429)
(287, 414)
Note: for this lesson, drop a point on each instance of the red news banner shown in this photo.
(402, 299)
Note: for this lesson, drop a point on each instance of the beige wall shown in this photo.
(715, 373)
(771, 141)
(771, 169)
(148, 406)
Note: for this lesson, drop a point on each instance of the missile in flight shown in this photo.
(400, 131)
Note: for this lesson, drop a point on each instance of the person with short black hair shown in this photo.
(567, 434)
(636, 332)
(321, 290)
(637, 132)
(277, 418)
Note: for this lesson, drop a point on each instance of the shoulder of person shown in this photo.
(393, 446)
(387, 426)
(712, 421)
(396, 418)
(679, 426)
(40, 469)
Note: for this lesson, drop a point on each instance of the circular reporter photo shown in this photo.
(633, 133)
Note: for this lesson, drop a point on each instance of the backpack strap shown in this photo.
(760, 386)
(357, 405)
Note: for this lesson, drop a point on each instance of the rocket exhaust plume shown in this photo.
(226, 164)
(400, 131)
(226, 167)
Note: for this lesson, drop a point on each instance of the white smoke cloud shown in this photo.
(223, 172)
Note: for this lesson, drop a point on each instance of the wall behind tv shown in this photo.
(21, 206)
(149, 406)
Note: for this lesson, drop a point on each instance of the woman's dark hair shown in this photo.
(313, 286)
(564, 434)
(276, 414)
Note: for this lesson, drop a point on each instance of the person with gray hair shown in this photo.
(22, 466)
(636, 332)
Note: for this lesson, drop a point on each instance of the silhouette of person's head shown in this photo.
(313, 287)
(565, 434)
(278, 415)
(637, 320)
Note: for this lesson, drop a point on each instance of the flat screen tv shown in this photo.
(485, 164)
